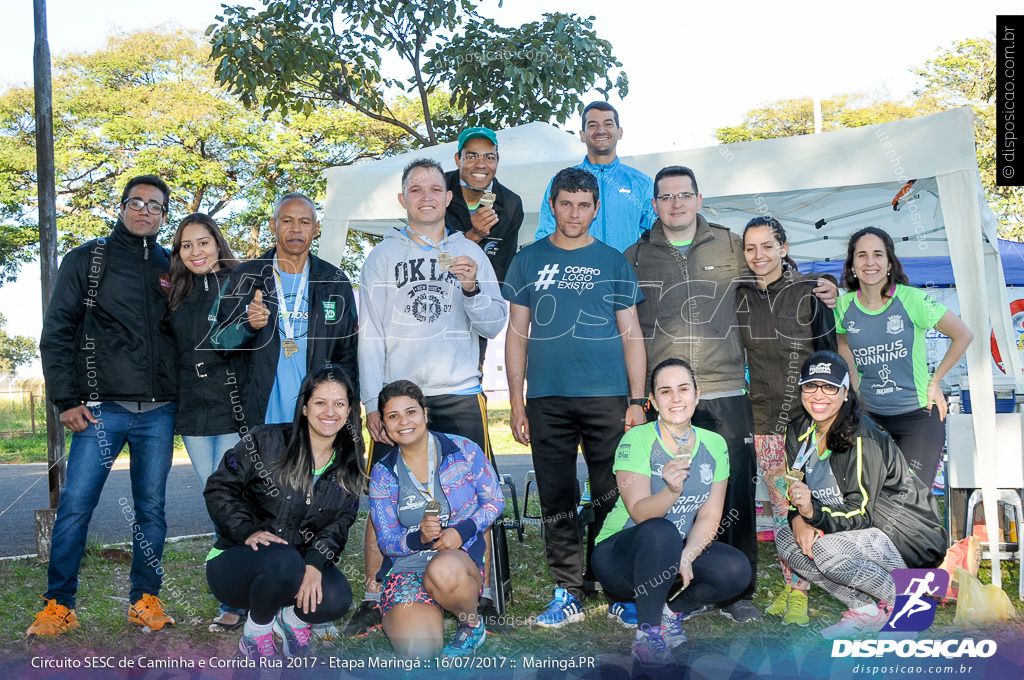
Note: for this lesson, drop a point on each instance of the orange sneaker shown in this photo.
(149, 613)
(54, 620)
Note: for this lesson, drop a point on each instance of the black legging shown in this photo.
(920, 436)
(267, 579)
(640, 564)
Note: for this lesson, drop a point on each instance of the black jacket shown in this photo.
(102, 336)
(331, 336)
(209, 384)
(780, 328)
(501, 244)
(879, 490)
(244, 495)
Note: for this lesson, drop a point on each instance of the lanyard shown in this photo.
(683, 445)
(426, 239)
(286, 318)
(810, 445)
(425, 491)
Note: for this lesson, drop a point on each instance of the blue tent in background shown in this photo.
(935, 271)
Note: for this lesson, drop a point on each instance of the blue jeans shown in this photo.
(206, 454)
(150, 438)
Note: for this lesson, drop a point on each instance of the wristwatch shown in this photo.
(475, 291)
(640, 401)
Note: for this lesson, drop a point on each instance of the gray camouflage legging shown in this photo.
(852, 566)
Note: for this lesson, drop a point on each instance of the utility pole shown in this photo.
(45, 173)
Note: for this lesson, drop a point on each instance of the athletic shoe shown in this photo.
(623, 613)
(741, 611)
(778, 607)
(149, 612)
(364, 621)
(54, 620)
(704, 608)
(856, 623)
(672, 630)
(496, 623)
(565, 608)
(294, 641)
(467, 639)
(259, 647)
(796, 609)
(649, 647)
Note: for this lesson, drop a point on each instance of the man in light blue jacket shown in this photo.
(626, 192)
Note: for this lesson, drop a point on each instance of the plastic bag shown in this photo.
(965, 554)
(979, 604)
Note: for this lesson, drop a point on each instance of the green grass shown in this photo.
(104, 628)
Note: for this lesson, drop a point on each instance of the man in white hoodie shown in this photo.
(426, 298)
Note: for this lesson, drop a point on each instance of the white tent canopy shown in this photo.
(822, 187)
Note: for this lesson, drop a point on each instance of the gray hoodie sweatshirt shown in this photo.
(416, 324)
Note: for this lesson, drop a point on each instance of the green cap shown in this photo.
(470, 133)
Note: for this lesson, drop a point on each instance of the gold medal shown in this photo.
(795, 476)
(685, 450)
(445, 261)
(487, 200)
(290, 348)
(433, 509)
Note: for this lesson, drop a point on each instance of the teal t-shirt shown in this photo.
(645, 449)
(575, 348)
(889, 348)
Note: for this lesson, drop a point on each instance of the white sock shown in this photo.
(371, 596)
(292, 618)
(871, 609)
(487, 593)
(253, 629)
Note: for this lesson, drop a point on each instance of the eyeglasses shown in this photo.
(685, 196)
(473, 156)
(152, 207)
(826, 388)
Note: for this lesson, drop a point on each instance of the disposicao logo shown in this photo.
(913, 612)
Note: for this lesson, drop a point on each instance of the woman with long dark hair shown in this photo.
(857, 511)
(782, 323)
(672, 481)
(881, 325)
(283, 500)
(201, 261)
(432, 497)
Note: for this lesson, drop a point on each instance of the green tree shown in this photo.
(148, 102)
(965, 75)
(294, 56)
(961, 75)
(15, 350)
(791, 117)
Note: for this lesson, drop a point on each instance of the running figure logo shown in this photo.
(914, 609)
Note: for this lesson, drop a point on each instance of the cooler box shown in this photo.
(1004, 387)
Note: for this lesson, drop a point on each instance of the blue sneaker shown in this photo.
(672, 630)
(467, 639)
(623, 613)
(294, 641)
(565, 608)
(649, 647)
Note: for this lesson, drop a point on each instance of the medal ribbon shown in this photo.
(425, 491)
(286, 318)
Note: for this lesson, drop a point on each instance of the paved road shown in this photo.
(23, 490)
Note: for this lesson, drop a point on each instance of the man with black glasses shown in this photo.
(111, 372)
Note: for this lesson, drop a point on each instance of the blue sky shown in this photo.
(693, 67)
